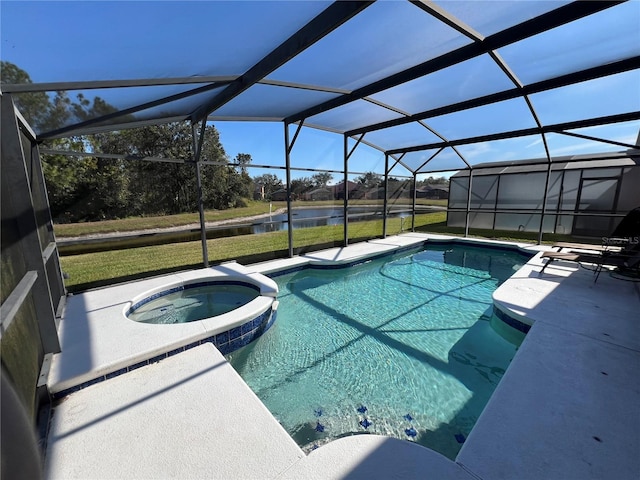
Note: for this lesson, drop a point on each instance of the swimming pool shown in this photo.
(401, 346)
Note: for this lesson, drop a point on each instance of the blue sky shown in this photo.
(58, 41)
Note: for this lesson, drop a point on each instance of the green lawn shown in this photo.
(102, 268)
(91, 269)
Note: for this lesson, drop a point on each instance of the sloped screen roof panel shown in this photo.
(405, 135)
(604, 37)
(415, 160)
(353, 115)
(134, 103)
(471, 79)
(595, 98)
(170, 110)
(271, 101)
(446, 160)
(465, 69)
(489, 16)
(384, 39)
(124, 40)
(488, 119)
(594, 139)
(624, 132)
(519, 148)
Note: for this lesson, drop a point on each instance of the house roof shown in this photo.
(526, 74)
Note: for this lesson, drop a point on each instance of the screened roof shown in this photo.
(428, 82)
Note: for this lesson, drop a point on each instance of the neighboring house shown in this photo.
(374, 193)
(396, 190)
(434, 192)
(353, 188)
(319, 194)
(279, 195)
(258, 191)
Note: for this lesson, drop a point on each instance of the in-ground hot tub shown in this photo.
(235, 306)
(193, 302)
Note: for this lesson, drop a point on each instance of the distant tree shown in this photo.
(33, 106)
(301, 185)
(433, 181)
(79, 188)
(321, 179)
(243, 159)
(270, 182)
(168, 188)
(441, 181)
(86, 188)
(369, 180)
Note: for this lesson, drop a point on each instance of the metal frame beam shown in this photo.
(556, 128)
(345, 203)
(386, 195)
(288, 147)
(534, 26)
(114, 127)
(105, 84)
(538, 87)
(328, 20)
(445, 17)
(197, 142)
(77, 128)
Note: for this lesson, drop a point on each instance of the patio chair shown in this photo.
(624, 235)
(626, 261)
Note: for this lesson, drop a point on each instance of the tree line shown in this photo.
(88, 188)
(93, 188)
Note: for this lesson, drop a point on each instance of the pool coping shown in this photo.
(568, 405)
(521, 297)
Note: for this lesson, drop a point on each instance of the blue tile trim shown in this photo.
(286, 271)
(138, 365)
(158, 358)
(116, 373)
(221, 338)
(237, 283)
(512, 322)
(235, 333)
(492, 246)
(226, 342)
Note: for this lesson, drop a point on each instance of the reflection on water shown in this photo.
(303, 218)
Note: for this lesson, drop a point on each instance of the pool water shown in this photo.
(190, 304)
(402, 346)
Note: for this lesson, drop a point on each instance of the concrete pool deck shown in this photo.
(567, 407)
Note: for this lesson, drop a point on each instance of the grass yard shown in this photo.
(91, 270)
(99, 268)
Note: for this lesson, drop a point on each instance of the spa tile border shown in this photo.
(226, 342)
